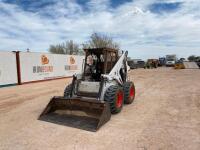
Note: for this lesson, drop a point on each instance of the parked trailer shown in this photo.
(24, 67)
(8, 69)
(45, 66)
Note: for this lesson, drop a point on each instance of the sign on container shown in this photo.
(44, 66)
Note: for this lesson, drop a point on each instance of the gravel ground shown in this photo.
(164, 115)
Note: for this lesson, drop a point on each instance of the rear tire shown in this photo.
(129, 92)
(115, 97)
(67, 91)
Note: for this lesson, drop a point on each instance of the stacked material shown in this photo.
(190, 65)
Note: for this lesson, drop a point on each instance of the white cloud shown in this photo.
(139, 31)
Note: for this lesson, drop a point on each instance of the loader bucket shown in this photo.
(87, 114)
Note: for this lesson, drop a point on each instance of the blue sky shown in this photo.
(146, 28)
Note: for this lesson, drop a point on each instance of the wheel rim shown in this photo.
(132, 92)
(119, 99)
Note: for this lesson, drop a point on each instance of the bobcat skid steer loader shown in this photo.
(101, 90)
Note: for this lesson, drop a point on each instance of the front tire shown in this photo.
(115, 97)
(129, 92)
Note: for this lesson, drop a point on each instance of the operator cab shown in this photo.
(98, 61)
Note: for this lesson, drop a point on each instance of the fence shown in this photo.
(25, 67)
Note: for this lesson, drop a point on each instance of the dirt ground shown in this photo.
(165, 115)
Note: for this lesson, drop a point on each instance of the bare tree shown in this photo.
(99, 41)
(69, 47)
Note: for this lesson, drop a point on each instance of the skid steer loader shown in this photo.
(101, 90)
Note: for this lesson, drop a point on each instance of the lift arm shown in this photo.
(120, 65)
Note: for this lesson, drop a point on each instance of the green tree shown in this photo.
(192, 58)
(68, 47)
(56, 49)
(198, 58)
(100, 40)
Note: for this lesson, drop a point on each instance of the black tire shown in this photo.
(129, 92)
(67, 91)
(115, 97)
